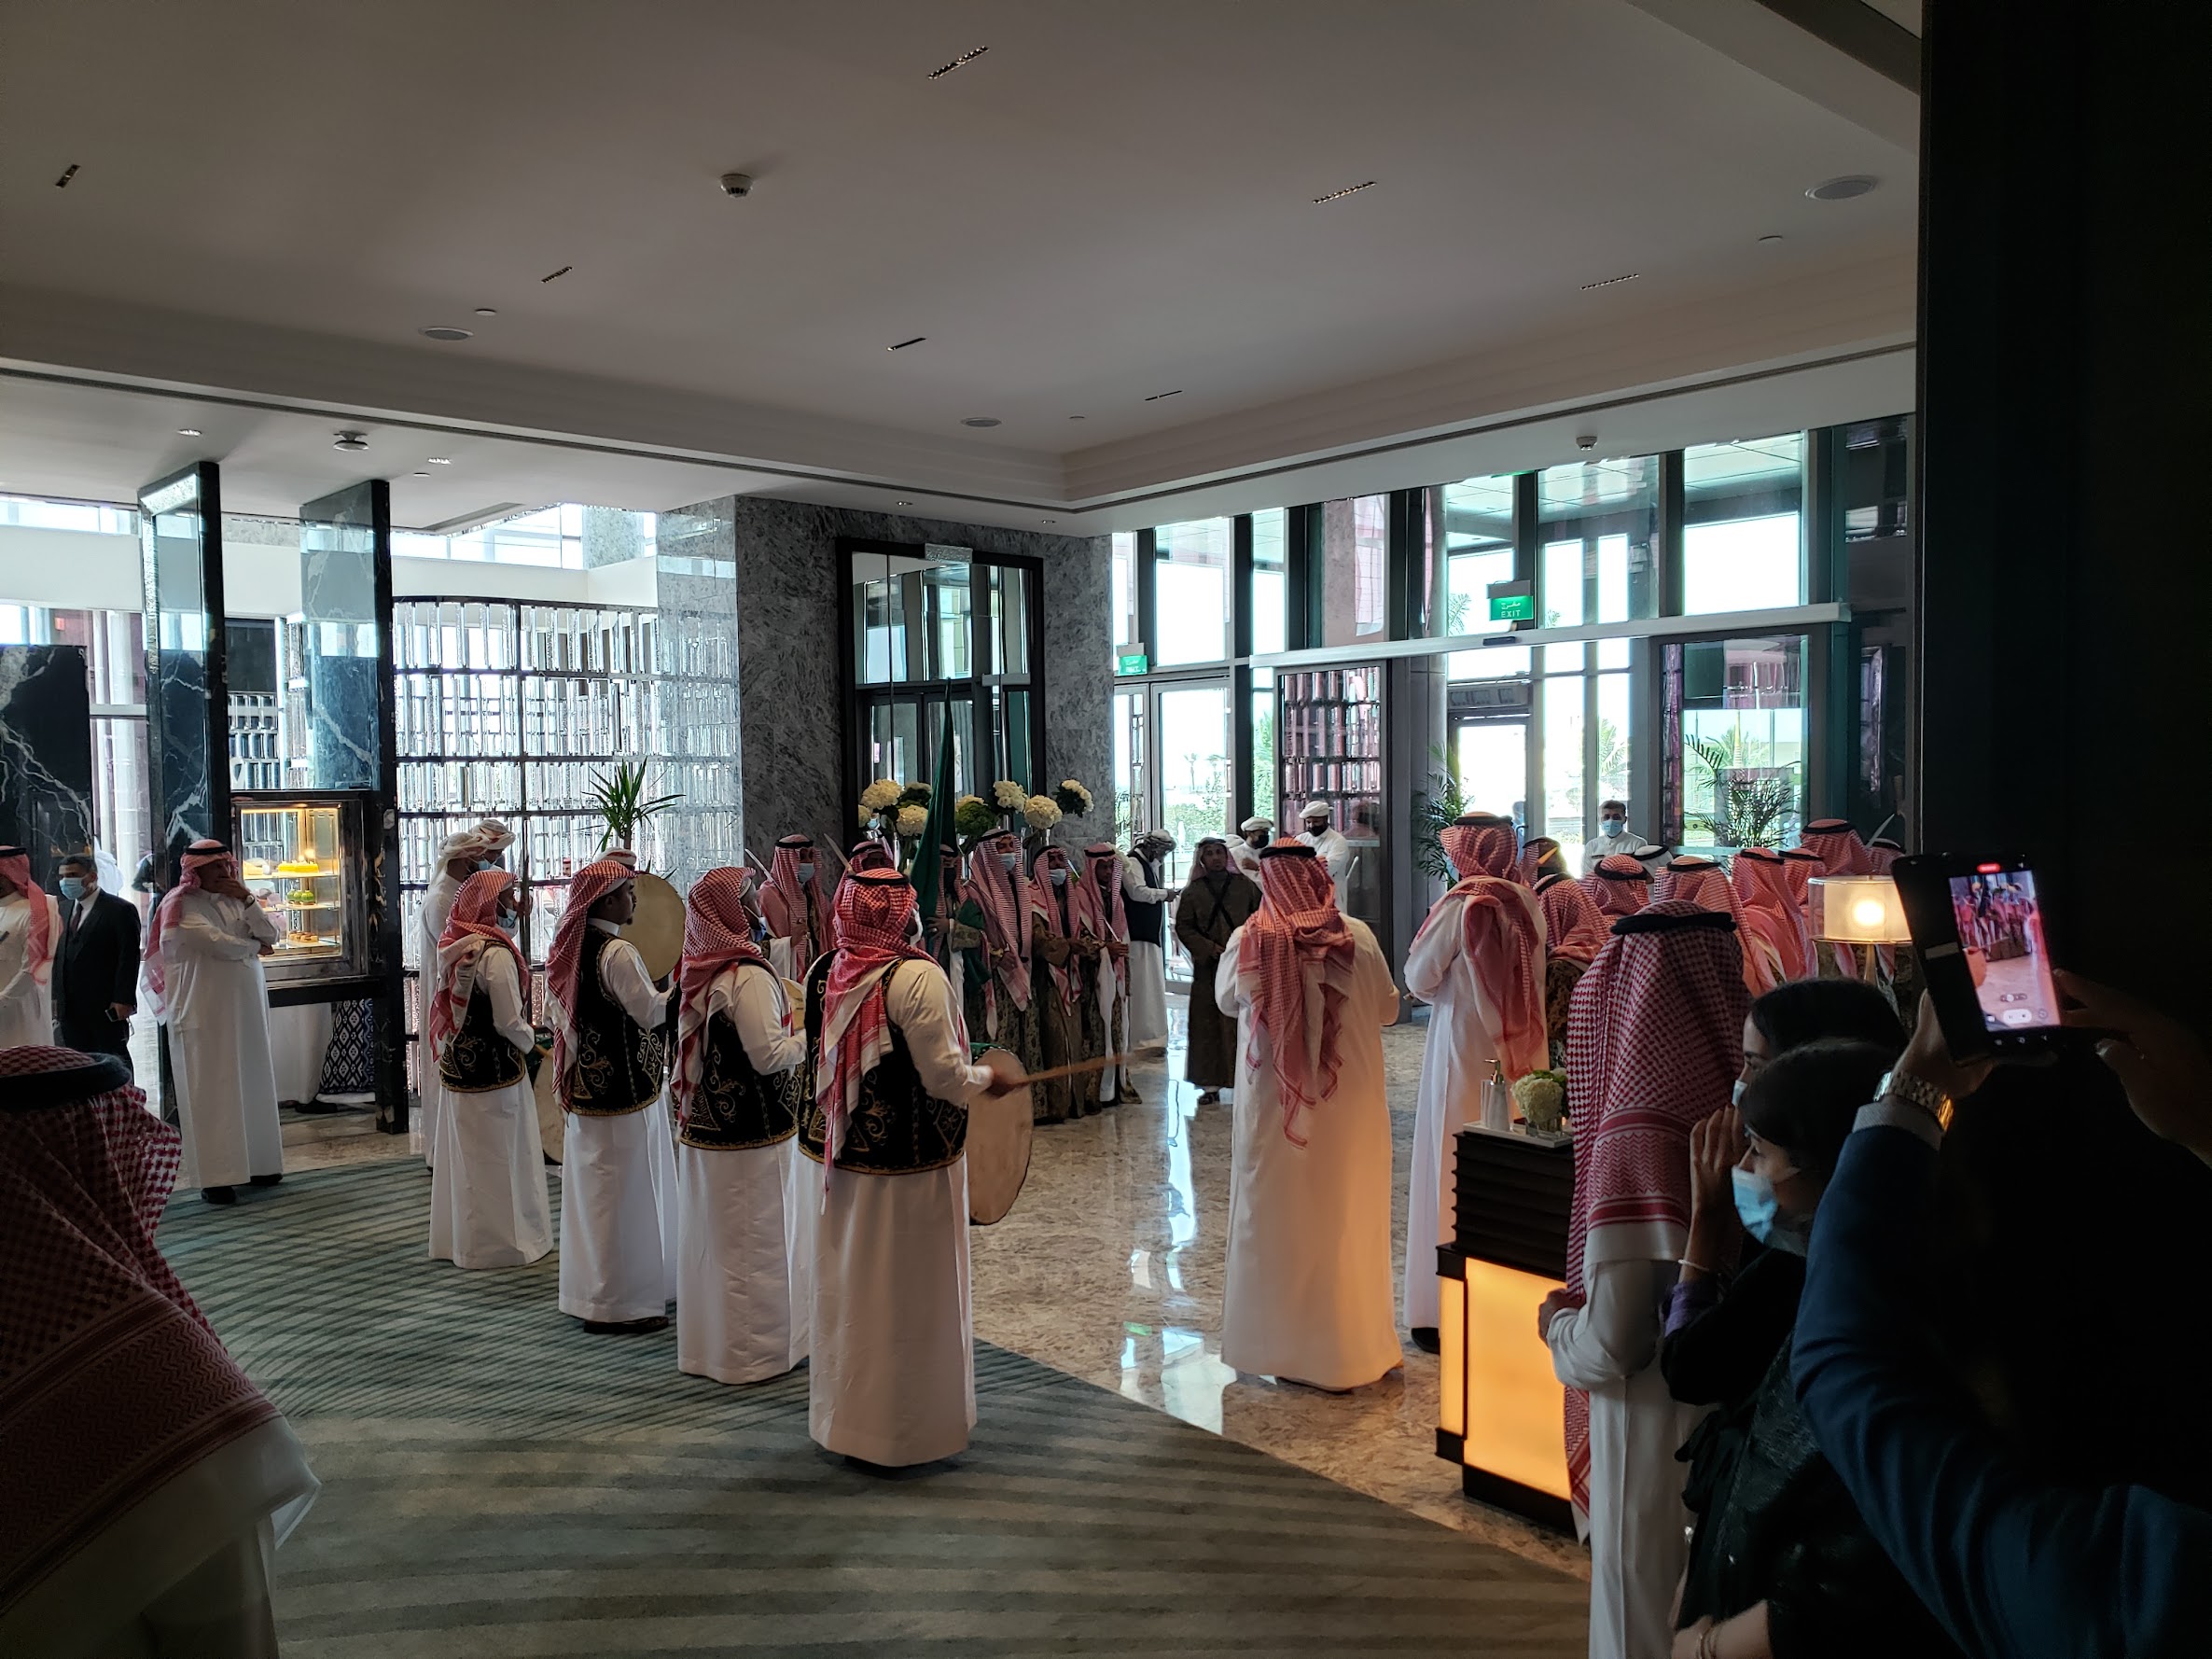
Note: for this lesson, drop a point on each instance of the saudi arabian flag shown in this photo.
(928, 868)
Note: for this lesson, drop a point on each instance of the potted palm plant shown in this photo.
(621, 801)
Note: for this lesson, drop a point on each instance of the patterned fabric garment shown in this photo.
(1620, 885)
(1761, 880)
(875, 910)
(1654, 1043)
(1702, 883)
(478, 1057)
(204, 861)
(1572, 926)
(349, 1059)
(618, 1063)
(1837, 845)
(472, 925)
(1291, 949)
(1539, 859)
(796, 909)
(38, 949)
(731, 1104)
(891, 1125)
(565, 958)
(1101, 876)
(717, 933)
(1800, 865)
(111, 1381)
(1499, 937)
(1004, 894)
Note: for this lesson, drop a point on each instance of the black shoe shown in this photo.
(1426, 1339)
(1129, 1093)
(268, 1180)
(626, 1327)
(1209, 1097)
(218, 1195)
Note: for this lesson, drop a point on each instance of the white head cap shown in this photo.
(1256, 822)
(1314, 809)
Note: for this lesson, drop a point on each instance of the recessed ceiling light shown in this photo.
(1843, 189)
(349, 441)
(1077, 417)
(447, 331)
(70, 172)
(187, 431)
(1768, 239)
(902, 504)
(420, 473)
(1627, 276)
(1047, 521)
(485, 310)
(904, 343)
(438, 460)
(1347, 190)
(980, 420)
(1158, 396)
(965, 58)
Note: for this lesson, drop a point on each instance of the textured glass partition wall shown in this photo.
(180, 546)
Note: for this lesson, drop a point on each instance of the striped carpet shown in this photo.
(498, 1483)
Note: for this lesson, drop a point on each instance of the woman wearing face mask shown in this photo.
(1781, 1565)
(488, 1200)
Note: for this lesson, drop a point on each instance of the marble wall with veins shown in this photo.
(46, 754)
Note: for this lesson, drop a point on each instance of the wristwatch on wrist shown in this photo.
(1897, 1084)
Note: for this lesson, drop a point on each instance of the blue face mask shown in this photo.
(507, 919)
(806, 873)
(1059, 877)
(1612, 827)
(1762, 1213)
(73, 887)
(1006, 860)
(490, 864)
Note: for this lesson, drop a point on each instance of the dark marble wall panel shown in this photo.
(337, 597)
(181, 555)
(46, 754)
(788, 657)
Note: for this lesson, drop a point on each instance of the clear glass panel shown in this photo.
(1615, 739)
(1129, 759)
(1873, 481)
(1191, 576)
(1194, 780)
(1270, 598)
(1612, 653)
(1734, 759)
(1355, 561)
(1559, 577)
(1478, 550)
(1127, 629)
(1598, 502)
(1263, 742)
(911, 621)
(1329, 742)
(1743, 543)
(1562, 814)
(1008, 638)
(1493, 760)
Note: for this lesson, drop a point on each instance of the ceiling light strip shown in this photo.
(961, 61)
(904, 343)
(562, 272)
(1347, 190)
(1627, 276)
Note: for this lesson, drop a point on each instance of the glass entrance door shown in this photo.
(1490, 757)
(1193, 780)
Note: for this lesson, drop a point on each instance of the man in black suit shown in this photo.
(95, 964)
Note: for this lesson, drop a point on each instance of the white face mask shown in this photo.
(1058, 877)
(806, 873)
(1006, 860)
(1735, 1096)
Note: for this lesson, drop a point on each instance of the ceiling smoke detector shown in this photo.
(349, 441)
(1845, 188)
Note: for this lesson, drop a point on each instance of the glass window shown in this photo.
(1129, 763)
(1191, 576)
(1742, 544)
(1355, 559)
(1735, 759)
(1194, 765)
(1610, 510)
(1478, 550)
(1561, 812)
(1128, 629)
(912, 621)
(1270, 599)
(1873, 480)
(1616, 737)
(1263, 742)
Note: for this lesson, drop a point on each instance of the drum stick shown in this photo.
(843, 867)
(1077, 1068)
(756, 859)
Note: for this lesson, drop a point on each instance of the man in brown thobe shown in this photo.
(1218, 901)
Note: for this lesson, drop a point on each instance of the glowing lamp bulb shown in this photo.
(1870, 914)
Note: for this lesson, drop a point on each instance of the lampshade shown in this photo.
(1859, 910)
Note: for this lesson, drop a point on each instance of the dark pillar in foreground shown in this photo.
(2062, 380)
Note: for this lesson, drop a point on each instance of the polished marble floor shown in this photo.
(1110, 1269)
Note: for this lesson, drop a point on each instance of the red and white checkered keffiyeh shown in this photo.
(1837, 845)
(1761, 880)
(1880, 854)
(875, 915)
(717, 935)
(1800, 865)
(472, 927)
(1498, 936)
(1538, 859)
(1572, 926)
(111, 1381)
(1102, 881)
(794, 909)
(1479, 844)
(1003, 894)
(1044, 904)
(38, 945)
(1294, 962)
(565, 959)
(1654, 1042)
(203, 861)
(1705, 884)
(1620, 885)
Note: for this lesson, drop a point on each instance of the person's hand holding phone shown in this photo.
(2159, 1061)
(1927, 1057)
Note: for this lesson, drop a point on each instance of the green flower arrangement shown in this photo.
(973, 819)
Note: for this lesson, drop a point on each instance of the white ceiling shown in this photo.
(1114, 202)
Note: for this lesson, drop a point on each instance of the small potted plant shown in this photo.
(620, 799)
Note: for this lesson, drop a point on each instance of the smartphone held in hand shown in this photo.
(1977, 923)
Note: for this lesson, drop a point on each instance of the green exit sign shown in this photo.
(1133, 662)
(1512, 607)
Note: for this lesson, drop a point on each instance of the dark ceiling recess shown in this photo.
(1859, 32)
(562, 272)
(67, 173)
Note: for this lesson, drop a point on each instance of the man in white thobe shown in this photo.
(30, 932)
(746, 1246)
(607, 1014)
(1255, 832)
(1479, 964)
(464, 853)
(1613, 835)
(1329, 841)
(203, 980)
(1144, 900)
(1307, 1297)
(892, 1379)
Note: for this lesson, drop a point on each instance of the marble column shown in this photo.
(46, 754)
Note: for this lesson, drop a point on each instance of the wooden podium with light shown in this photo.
(1500, 1410)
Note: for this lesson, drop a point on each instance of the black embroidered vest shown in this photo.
(735, 1104)
(1146, 917)
(616, 1067)
(897, 1128)
(478, 1057)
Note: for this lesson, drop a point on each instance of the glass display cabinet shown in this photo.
(305, 860)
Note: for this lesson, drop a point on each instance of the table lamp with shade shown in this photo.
(1857, 909)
